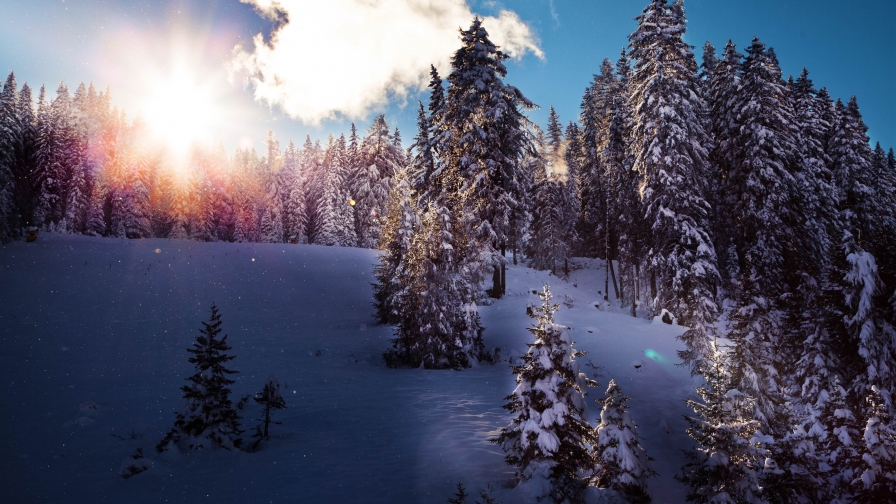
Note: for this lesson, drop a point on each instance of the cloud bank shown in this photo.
(343, 58)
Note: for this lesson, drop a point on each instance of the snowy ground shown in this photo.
(93, 335)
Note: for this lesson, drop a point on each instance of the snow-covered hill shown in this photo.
(93, 335)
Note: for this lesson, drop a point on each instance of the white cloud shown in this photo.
(554, 13)
(343, 58)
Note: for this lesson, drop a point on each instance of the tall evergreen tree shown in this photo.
(438, 328)
(337, 217)
(402, 221)
(9, 130)
(669, 145)
(486, 141)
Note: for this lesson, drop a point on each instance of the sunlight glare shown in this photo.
(180, 111)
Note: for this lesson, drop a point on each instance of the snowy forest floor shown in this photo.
(93, 338)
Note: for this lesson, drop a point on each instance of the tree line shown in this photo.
(77, 164)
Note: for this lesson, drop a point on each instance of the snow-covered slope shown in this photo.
(93, 335)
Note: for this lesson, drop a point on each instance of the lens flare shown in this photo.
(180, 110)
(652, 354)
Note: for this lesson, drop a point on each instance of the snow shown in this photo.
(94, 334)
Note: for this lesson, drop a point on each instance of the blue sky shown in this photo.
(848, 47)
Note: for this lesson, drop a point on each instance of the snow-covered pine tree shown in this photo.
(566, 176)
(820, 405)
(766, 224)
(268, 229)
(60, 149)
(209, 419)
(720, 92)
(76, 208)
(726, 464)
(337, 220)
(875, 468)
(438, 328)
(552, 231)
(23, 137)
(622, 463)
(286, 181)
(631, 228)
(9, 130)
(669, 145)
(596, 114)
(547, 440)
(96, 222)
(270, 399)
(839, 450)
(402, 221)
(484, 139)
(369, 200)
(313, 180)
(423, 161)
(272, 201)
(869, 269)
(297, 215)
(380, 160)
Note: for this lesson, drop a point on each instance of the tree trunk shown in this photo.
(503, 269)
(637, 293)
(607, 279)
(615, 285)
(267, 418)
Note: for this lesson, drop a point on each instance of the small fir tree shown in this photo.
(622, 464)
(460, 497)
(725, 467)
(547, 440)
(270, 399)
(209, 419)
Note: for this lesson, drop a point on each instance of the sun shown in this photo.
(180, 110)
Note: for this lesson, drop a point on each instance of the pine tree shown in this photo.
(669, 145)
(553, 208)
(9, 129)
(725, 465)
(597, 112)
(337, 221)
(380, 159)
(460, 497)
(766, 225)
(721, 91)
(209, 419)
(623, 464)
(270, 399)
(875, 469)
(438, 328)
(23, 162)
(548, 438)
(483, 142)
(96, 222)
(402, 221)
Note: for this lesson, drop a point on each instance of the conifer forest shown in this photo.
(738, 215)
